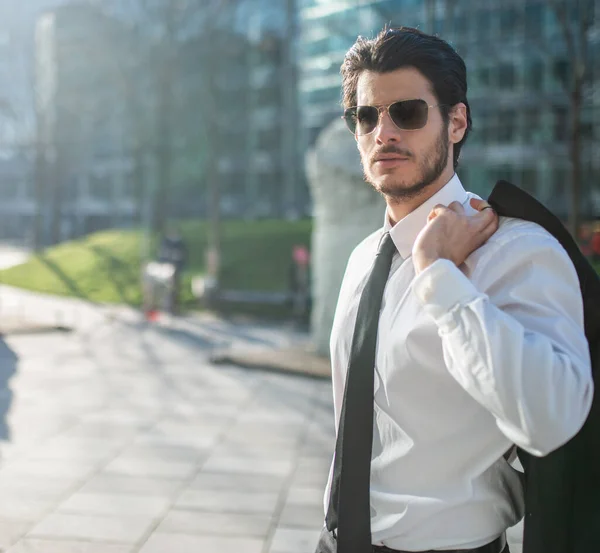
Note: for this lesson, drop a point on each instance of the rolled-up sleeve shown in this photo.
(513, 338)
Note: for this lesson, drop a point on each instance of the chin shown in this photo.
(390, 183)
(398, 189)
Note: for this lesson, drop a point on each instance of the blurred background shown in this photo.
(119, 116)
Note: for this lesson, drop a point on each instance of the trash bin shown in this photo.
(158, 284)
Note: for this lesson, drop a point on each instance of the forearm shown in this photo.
(536, 382)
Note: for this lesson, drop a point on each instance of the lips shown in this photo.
(389, 162)
(384, 157)
(391, 158)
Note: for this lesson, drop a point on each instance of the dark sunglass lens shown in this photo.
(366, 119)
(409, 115)
(350, 119)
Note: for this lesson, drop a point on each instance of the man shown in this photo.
(173, 251)
(478, 342)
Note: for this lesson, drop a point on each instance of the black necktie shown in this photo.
(349, 512)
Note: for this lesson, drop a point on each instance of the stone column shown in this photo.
(346, 210)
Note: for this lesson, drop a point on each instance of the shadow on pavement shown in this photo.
(68, 281)
(8, 367)
(231, 330)
(122, 276)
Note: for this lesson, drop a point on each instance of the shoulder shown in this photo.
(517, 243)
(520, 235)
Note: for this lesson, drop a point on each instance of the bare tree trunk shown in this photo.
(213, 191)
(39, 188)
(291, 128)
(164, 119)
(56, 197)
(575, 151)
(138, 184)
(430, 16)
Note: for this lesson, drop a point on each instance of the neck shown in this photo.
(398, 209)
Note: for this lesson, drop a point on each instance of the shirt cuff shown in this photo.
(442, 287)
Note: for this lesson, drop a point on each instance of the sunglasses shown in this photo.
(407, 115)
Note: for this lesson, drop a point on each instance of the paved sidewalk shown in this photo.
(124, 438)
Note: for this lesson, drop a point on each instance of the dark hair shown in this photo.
(394, 48)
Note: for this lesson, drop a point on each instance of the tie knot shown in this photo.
(387, 248)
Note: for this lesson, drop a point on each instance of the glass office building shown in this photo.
(517, 61)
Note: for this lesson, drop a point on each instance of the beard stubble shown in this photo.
(430, 168)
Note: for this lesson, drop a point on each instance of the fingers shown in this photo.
(437, 210)
(486, 216)
(486, 232)
(457, 208)
(480, 205)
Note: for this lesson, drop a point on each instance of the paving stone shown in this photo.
(11, 530)
(31, 545)
(302, 516)
(166, 453)
(135, 485)
(161, 440)
(79, 527)
(248, 465)
(310, 479)
(24, 507)
(224, 524)
(49, 469)
(150, 467)
(266, 451)
(36, 486)
(237, 481)
(181, 543)
(114, 505)
(305, 496)
(228, 502)
(294, 540)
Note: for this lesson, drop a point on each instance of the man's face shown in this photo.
(413, 159)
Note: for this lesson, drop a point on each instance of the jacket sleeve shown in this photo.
(513, 337)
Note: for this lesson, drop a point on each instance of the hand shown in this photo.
(452, 234)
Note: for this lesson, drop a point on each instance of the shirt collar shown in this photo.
(405, 232)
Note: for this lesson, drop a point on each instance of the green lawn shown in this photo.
(105, 267)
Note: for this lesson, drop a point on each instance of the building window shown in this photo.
(506, 75)
(485, 78)
(561, 124)
(100, 187)
(483, 25)
(506, 126)
(531, 125)
(508, 20)
(533, 20)
(560, 72)
(529, 180)
(534, 73)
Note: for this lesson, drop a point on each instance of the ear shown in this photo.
(457, 125)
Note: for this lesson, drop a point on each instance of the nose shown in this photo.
(386, 132)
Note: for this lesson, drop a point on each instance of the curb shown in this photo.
(299, 361)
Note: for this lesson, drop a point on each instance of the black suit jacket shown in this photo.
(562, 489)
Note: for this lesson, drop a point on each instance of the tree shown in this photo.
(166, 28)
(577, 21)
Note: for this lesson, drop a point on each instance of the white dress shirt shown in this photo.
(469, 361)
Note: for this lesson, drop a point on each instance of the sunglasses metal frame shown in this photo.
(380, 109)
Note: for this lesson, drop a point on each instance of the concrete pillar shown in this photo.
(346, 210)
